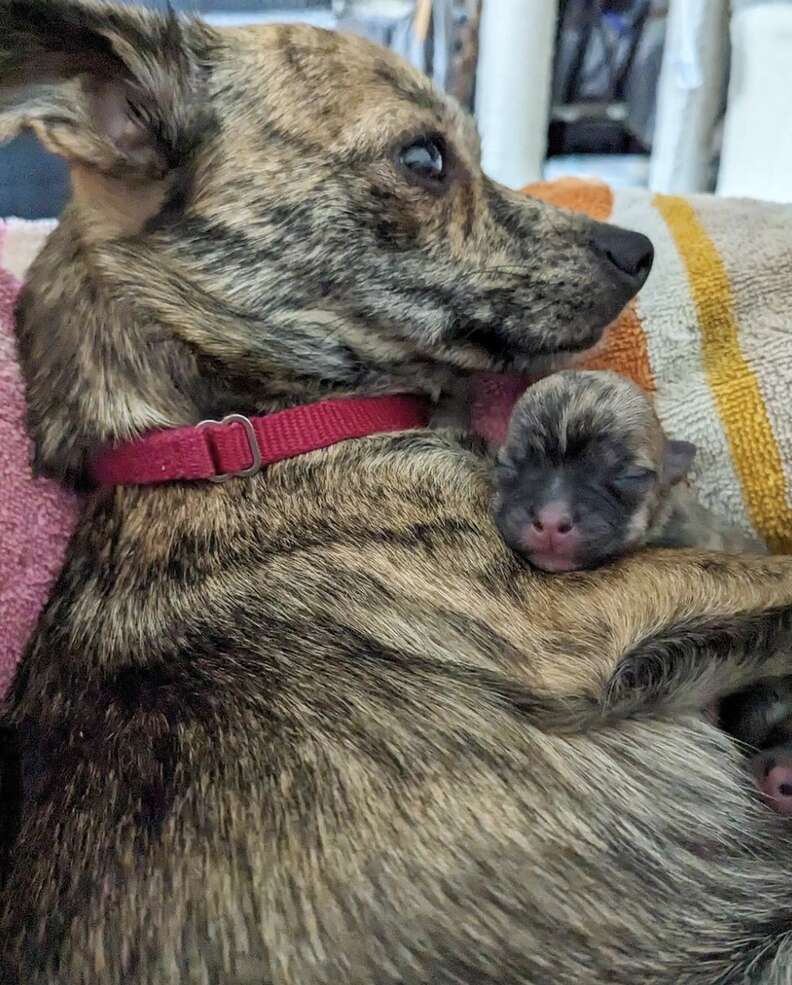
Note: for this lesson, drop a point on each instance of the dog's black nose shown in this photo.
(631, 253)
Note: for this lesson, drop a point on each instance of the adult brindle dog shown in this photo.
(320, 727)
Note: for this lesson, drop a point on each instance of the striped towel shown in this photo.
(710, 336)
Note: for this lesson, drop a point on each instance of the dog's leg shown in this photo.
(643, 604)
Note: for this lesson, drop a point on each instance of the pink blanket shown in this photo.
(36, 516)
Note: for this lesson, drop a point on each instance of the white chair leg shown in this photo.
(513, 87)
(756, 157)
(689, 96)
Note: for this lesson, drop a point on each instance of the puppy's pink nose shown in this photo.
(551, 531)
(554, 523)
(776, 785)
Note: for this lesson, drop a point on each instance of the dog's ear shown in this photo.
(111, 89)
(678, 459)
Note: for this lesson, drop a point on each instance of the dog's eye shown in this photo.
(424, 158)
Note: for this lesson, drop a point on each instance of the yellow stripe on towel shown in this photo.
(755, 452)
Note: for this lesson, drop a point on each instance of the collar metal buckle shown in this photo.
(250, 434)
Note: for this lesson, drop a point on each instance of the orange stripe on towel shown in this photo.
(624, 348)
(735, 388)
(594, 198)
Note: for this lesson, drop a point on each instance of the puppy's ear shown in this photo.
(678, 458)
(110, 89)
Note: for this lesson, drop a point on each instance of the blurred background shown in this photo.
(679, 96)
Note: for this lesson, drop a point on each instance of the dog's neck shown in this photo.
(135, 344)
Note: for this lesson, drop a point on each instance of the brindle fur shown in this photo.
(320, 726)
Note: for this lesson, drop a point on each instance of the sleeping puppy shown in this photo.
(761, 718)
(587, 474)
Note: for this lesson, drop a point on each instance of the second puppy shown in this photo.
(586, 474)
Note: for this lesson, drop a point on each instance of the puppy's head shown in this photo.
(585, 472)
(760, 717)
(271, 214)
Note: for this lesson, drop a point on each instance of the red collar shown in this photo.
(240, 446)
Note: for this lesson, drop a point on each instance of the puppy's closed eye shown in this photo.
(506, 473)
(635, 479)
